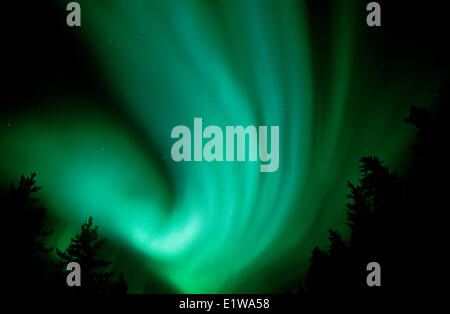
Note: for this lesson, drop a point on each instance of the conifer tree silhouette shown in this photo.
(25, 223)
(24, 205)
(340, 270)
(391, 220)
(426, 187)
(95, 278)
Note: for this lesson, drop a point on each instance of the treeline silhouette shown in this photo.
(341, 269)
(396, 222)
(33, 266)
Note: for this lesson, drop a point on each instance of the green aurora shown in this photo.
(216, 227)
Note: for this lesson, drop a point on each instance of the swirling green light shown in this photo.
(205, 227)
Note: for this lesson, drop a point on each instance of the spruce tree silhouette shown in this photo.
(394, 222)
(341, 270)
(426, 187)
(23, 204)
(25, 223)
(95, 278)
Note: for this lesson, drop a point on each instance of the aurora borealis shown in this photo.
(220, 227)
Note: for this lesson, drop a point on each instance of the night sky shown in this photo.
(91, 110)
